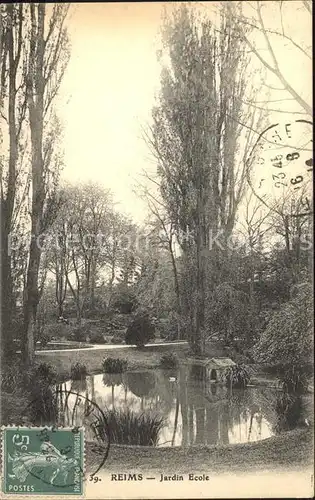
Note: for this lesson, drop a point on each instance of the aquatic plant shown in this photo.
(131, 428)
(78, 371)
(289, 409)
(237, 376)
(114, 365)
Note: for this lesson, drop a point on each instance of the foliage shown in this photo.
(114, 365)
(79, 334)
(10, 378)
(112, 379)
(228, 312)
(130, 428)
(289, 409)
(44, 339)
(294, 380)
(117, 340)
(96, 338)
(237, 376)
(169, 361)
(14, 377)
(287, 340)
(123, 300)
(45, 373)
(78, 371)
(140, 331)
(58, 331)
(198, 140)
(140, 383)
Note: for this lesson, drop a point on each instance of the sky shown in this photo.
(110, 85)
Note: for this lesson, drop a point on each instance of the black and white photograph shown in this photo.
(156, 177)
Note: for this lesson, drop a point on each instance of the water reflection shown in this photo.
(196, 410)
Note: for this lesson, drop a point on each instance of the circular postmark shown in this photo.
(280, 167)
(57, 459)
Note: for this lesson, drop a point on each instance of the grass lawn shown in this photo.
(290, 450)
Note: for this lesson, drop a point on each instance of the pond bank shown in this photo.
(290, 450)
(137, 359)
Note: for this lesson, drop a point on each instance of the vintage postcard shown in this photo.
(156, 164)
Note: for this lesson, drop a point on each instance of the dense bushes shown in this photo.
(287, 340)
(169, 361)
(11, 378)
(44, 373)
(78, 371)
(140, 331)
(237, 376)
(15, 379)
(79, 334)
(58, 331)
(117, 340)
(96, 338)
(123, 300)
(289, 410)
(114, 365)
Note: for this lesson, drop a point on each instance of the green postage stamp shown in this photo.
(42, 460)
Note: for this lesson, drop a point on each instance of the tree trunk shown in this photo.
(31, 300)
(7, 203)
(6, 295)
(35, 94)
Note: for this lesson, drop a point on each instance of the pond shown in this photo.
(192, 409)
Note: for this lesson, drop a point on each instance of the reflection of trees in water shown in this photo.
(208, 412)
(79, 385)
(166, 391)
(200, 424)
(112, 380)
(212, 424)
(141, 384)
(183, 399)
(198, 372)
(217, 411)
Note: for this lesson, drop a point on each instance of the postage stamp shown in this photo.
(42, 460)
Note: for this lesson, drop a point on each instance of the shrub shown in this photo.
(114, 365)
(57, 331)
(237, 376)
(79, 334)
(287, 340)
(123, 300)
(117, 340)
(10, 379)
(96, 338)
(169, 361)
(44, 339)
(44, 408)
(45, 374)
(289, 410)
(293, 380)
(140, 331)
(78, 371)
(130, 428)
